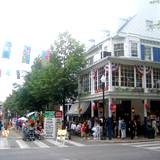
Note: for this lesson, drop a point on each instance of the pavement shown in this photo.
(13, 133)
(90, 140)
(17, 134)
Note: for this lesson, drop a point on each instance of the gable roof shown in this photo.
(137, 24)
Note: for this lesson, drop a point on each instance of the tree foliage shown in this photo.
(50, 82)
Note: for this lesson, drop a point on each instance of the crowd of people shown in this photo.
(121, 128)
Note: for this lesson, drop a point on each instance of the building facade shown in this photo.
(130, 63)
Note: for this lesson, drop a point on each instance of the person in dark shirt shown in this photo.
(132, 127)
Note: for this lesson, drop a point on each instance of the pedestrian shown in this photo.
(119, 127)
(84, 130)
(89, 126)
(123, 129)
(154, 125)
(132, 128)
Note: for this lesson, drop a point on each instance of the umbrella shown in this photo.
(30, 114)
(22, 119)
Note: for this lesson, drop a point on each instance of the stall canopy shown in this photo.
(78, 109)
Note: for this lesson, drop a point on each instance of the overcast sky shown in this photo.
(38, 22)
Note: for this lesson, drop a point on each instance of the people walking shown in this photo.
(123, 129)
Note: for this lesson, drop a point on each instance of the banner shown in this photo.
(8, 72)
(26, 55)
(7, 50)
(45, 56)
(18, 74)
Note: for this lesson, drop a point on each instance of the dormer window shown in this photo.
(119, 49)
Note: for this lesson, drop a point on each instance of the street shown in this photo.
(46, 150)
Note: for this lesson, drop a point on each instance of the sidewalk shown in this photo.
(13, 133)
(90, 140)
(17, 134)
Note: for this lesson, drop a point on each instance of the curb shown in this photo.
(138, 140)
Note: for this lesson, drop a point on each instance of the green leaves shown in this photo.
(54, 82)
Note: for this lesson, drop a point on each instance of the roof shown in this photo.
(136, 25)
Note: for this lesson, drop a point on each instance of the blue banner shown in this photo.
(26, 55)
(7, 50)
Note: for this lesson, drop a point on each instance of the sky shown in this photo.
(37, 23)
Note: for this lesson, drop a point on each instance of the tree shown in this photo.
(71, 55)
(53, 82)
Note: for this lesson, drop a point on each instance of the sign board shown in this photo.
(58, 123)
(49, 124)
(49, 114)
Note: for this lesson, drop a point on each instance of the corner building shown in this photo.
(130, 62)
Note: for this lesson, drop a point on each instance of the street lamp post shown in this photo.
(103, 79)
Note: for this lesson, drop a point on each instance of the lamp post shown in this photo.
(103, 79)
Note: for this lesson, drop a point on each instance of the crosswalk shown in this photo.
(153, 145)
(7, 143)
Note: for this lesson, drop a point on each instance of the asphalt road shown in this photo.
(91, 152)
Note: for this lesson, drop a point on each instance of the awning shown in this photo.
(78, 109)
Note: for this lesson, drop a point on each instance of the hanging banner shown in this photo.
(7, 50)
(45, 55)
(26, 55)
(18, 74)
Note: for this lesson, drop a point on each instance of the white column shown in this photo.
(92, 109)
(109, 107)
(144, 79)
(135, 79)
(97, 79)
(152, 80)
(92, 83)
(109, 76)
(119, 78)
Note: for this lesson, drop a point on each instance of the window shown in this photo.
(119, 49)
(134, 51)
(86, 83)
(100, 73)
(138, 79)
(89, 61)
(147, 53)
(105, 54)
(115, 75)
(127, 76)
(156, 77)
(144, 41)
